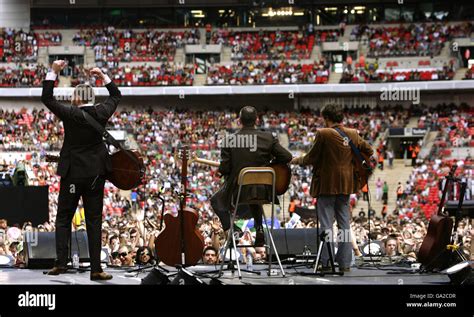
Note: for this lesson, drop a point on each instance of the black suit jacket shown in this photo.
(84, 153)
(233, 159)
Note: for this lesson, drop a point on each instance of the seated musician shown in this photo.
(262, 147)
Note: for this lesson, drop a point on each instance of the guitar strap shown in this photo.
(354, 148)
(109, 139)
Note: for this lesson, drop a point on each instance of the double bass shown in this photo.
(180, 243)
(433, 247)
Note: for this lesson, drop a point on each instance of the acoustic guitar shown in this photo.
(128, 168)
(363, 170)
(180, 242)
(432, 251)
(282, 173)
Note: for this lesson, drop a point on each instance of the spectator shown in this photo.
(378, 189)
(209, 255)
(385, 193)
(391, 247)
(144, 256)
(399, 191)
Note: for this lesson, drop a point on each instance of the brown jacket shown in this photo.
(333, 169)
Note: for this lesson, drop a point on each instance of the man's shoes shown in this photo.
(100, 276)
(326, 269)
(259, 238)
(57, 270)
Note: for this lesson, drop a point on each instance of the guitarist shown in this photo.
(334, 179)
(83, 164)
(234, 159)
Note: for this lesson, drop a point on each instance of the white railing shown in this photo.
(450, 85)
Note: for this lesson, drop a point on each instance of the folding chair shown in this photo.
(254, 176)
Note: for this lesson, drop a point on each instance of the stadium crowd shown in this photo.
(18, 46)
(265, 45)
(134, 46)
(132, 219)
(417, 39)
(24, 75)
(370, 73)
(268, 73)
(141, 75)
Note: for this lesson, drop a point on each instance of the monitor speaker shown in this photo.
(40, 248)
(291, 242)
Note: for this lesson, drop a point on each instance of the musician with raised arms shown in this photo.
(235, 156)
(334, 179)
(83, 164)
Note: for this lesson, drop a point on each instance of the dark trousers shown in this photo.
(365, 196)
(92, 192)
(257, 214)
(256, 210)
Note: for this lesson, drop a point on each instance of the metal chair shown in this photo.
(254, 176)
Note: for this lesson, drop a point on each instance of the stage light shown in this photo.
(461, 273)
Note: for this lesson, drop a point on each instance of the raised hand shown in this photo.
(59, 65)
(96, 71)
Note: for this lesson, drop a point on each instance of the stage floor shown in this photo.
(386, 275)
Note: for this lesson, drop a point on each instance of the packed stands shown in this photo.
(267, 73)
(159, 135)
(24, 75)
(143, 75)
(17, 46)
(264, 45)
(418, 39)
(369, 73)
(134, 46)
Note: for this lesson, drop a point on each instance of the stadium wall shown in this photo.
(15, 14)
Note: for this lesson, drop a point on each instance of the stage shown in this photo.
(371, 275)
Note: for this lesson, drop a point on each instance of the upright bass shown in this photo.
(180, 243)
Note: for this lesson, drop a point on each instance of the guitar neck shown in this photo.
(206, 162)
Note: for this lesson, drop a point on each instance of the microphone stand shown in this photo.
(156, 266)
